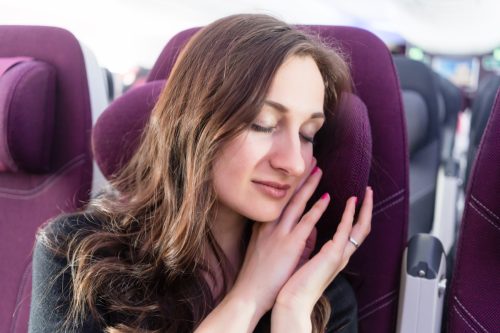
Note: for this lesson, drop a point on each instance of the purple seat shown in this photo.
(45, 156)
(374, 151)
(474, 299)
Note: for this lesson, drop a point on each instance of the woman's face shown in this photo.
(257, 172)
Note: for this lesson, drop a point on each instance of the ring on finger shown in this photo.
(353, 242)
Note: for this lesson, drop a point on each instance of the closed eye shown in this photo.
(264, 129)
(307, 139)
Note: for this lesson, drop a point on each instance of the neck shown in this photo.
(228, 230)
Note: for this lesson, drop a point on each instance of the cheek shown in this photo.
(236, 163)
(247, 150)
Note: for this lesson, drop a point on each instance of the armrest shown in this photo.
(423, 283)
(445, 210)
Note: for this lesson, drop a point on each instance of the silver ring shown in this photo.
(353, 242)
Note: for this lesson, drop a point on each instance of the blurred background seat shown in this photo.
(423, 113)
(474, 299)
(46, 103)
(482, 105)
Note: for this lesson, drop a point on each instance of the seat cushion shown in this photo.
(27, 111)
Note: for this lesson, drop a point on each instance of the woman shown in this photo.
(204, 229)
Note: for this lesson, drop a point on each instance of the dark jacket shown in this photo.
(51, 292)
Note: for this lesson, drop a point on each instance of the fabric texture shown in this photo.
(474, 297)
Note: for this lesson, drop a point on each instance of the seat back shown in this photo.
(425, 155)
(481, 109)
(376, 115)
(474, 300)
(45, 156)
(453, 102)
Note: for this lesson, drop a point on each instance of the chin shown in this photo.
(265, 213)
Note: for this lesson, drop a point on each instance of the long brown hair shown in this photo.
(141, 269)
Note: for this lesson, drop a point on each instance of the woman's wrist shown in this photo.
(290, 319)
(233, 314)
(246, 306)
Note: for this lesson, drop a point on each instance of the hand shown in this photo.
(275, 247)
(306, 286)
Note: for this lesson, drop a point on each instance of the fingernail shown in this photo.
(325, 196)
(355, 200)
(314, 170)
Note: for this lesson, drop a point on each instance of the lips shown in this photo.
(273, 184)
(272, 189)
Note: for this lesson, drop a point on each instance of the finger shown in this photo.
(297, 204)
(301, 183)
(330, 259)
(345, 226)
(363, 225)
(309, 220)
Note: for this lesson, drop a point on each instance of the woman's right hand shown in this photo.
(275, 248)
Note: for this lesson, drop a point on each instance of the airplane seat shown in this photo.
(482, 105)
(375, 268)
(416, 77)
(417, 119)
(453, 103)
(474, 299)
(45, 156)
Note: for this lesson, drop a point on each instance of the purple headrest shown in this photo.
(116, 134)
(344, 152)
(27, 97)
(163, 66)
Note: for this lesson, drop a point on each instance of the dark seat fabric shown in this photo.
(375, 268)
(417, 119)
(45, 123)
(425, 155)
(453, 103)
(474, 299)
(480, 109)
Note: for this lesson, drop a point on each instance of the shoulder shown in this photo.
(66, 226)
(53, 239)
(51, 285)
(52, 280)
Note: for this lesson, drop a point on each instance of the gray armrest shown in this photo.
(445, 210)
(423, 283)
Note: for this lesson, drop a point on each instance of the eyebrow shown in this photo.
(283, 109)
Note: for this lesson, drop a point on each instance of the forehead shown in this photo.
(298, 85)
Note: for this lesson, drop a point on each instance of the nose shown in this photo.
(287, 155)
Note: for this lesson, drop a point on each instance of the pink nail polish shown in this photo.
(355, 200)
(314, 170)
(325, 196)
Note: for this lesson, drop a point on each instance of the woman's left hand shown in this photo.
(307, 284)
